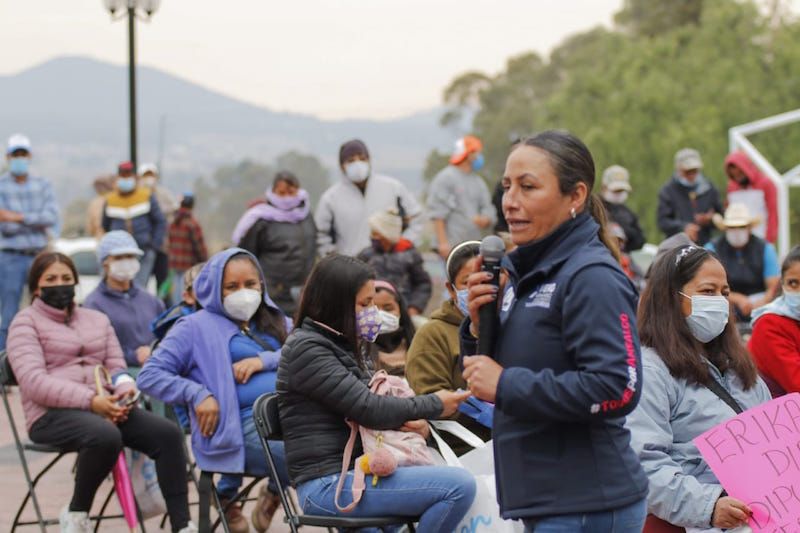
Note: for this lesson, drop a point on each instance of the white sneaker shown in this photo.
(74, 522)
(190, 528)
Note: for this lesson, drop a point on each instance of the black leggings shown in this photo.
(99, 442)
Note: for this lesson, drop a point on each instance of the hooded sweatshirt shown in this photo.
(193, 362)
(775, 346)
(759, 195)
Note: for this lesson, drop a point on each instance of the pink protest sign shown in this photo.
(756, 457)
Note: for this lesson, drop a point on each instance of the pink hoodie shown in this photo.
(759, 181)
(54, 362)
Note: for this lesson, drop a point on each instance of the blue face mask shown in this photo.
(18, 166)
(477, 163)
(462, 301)
(126, 184)
(792, 300)
(690, 184)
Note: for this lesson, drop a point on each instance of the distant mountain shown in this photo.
(76, 112)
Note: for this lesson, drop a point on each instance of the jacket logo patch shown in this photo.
(508, 299)
(541, 297)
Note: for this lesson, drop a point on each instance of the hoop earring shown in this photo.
(572, 213)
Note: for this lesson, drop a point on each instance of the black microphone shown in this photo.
(492, 251)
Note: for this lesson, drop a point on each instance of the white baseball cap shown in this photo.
(18, 142)
(144, 168)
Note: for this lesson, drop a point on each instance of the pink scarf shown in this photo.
(292, 209)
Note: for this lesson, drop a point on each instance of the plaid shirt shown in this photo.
(186, 245)
(35, 200)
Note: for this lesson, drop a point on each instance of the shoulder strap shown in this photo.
(358, 474)
(717, 388)
(403, 214)
(261, 342)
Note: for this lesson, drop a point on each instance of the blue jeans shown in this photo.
(13, 277)
(255, 460)
(629, 519)
(441, 495)
(146, 265)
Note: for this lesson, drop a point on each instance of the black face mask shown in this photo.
(58, 296)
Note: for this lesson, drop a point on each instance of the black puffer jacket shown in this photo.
(319, 386)
(404, 268)
(286, 252)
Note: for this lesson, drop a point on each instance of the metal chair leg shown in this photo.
(220, 511)
(31, 494)
(103, 509)
(205, 486)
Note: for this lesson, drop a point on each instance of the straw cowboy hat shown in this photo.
(736, 216)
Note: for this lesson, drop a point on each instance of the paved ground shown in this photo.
(55, 489)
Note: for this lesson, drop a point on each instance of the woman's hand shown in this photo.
(451, 400)
(207, 413)
(143, 353)
(420, 427)
(482, 375)
(106, 406)
(244, 369)
(481, 293)
(729, 513)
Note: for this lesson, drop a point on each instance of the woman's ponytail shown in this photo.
(595, 208)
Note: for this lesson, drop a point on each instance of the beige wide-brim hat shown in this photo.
(736, 216)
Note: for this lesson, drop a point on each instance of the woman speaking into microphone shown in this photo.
(565, 367)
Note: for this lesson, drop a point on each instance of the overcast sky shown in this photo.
(330, 58)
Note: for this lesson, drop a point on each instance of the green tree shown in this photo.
(636, 97)
(654, 17)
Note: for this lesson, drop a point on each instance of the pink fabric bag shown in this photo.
(407, 448)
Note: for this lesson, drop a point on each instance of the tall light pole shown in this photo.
(133, 9)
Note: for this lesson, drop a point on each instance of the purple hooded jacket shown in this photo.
(193, 362)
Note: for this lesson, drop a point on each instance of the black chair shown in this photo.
(7, 379)
(268, 425)
(207, 493)
(206, 489)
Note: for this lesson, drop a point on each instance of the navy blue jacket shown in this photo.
(570, 350)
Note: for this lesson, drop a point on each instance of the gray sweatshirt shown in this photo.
(456, 198)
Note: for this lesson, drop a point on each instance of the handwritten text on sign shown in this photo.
(756, 457)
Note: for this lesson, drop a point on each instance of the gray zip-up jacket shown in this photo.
(670, 414)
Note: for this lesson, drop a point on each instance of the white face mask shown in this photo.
(242, 304)
(149, 182)
(737, 237)
(616, 197)
(357, 171)
(124, 269)
(389, 322)
(709, 316)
